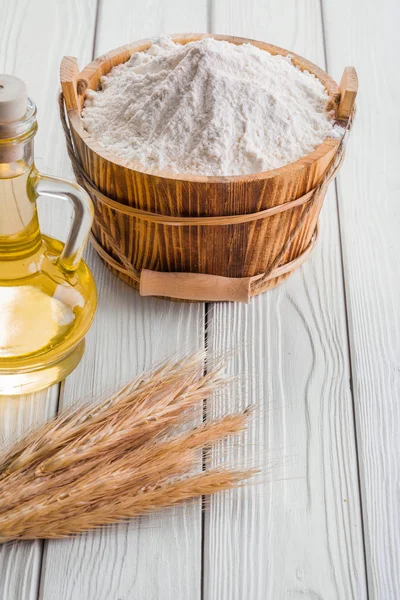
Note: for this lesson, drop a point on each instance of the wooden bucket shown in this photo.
(199, 237)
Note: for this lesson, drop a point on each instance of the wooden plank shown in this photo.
(159, 556)
(125, 21)
(370, 221)
(32, 39)
(300, 534)
(20, 562)
(156, 557)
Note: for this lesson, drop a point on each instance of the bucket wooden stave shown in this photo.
(236, 250)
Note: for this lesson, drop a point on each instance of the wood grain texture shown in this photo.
(368, 190)
(156, 557)
(348, 89)
(236, 250)
(159, 556)
(27, 32)
(129, 21)
(69, 73)
(300, 534)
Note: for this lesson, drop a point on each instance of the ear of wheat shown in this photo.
(132, 454)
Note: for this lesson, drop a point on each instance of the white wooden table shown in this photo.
(320, 354)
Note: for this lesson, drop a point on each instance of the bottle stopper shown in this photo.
(13, 99)
(13, 107)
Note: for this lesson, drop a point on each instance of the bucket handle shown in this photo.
(211, 288)
(200, 286)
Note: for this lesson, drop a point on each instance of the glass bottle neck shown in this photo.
(19, 225)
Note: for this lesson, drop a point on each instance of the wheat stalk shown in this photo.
(160, 385)
(134, 453)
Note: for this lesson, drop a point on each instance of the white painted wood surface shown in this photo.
(160, 556)
(32, 40)
(368, 189)
(20, 563)
(156, 557)
(300, 534)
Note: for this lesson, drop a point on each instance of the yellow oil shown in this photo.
(44, 311)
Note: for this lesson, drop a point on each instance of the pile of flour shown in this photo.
(208, 107)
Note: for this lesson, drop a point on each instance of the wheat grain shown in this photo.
(133, 453)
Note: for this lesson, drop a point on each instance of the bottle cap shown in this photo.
(13, 99)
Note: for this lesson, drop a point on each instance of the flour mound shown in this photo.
(208, 107)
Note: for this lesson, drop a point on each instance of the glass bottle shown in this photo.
(47, 294)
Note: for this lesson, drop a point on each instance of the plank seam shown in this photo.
(61, 385)
(209, 16)
(204, 465)
(207, 308)
(96, 21)
(346, 317)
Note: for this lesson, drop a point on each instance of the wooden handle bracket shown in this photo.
(348, 89)
(73, 87)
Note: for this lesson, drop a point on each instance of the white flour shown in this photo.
(208, 107)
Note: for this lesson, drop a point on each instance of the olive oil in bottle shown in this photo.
(47, 294)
